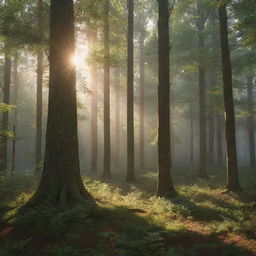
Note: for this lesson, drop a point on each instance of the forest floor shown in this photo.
(129, 220)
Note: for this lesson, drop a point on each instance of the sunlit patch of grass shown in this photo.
(132, 218)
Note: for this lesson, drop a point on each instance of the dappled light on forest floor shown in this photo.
(130, 221)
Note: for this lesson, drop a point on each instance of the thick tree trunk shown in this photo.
(202, 98)
(219, 144)
(232, 172)
(5, 119)
(130, 107)
(39, 101)
(250, 121)
(142, 100)
(61, 183)
(106, 167)
(117, 117)
(94, 113)
(165, 184)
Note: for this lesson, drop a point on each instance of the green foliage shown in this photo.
(10, 248)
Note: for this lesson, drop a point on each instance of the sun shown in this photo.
(77, 60)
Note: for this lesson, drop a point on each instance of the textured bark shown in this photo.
(202, 97)
(94, 113)
(250, 121)
(142, 100)
(130, 95)
(232, 172)
(220, 161)
(117, 117)
(39, 101)
(165, 184)
(5, 118)
(106, 167)
(61, 183)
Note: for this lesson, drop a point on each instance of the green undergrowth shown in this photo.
(129, 220)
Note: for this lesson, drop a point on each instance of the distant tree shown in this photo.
(94, 107)
(106, 167)
(61, 183)
(130, 95)
(200, 25)
(250, 121)
(232, 170)
(165, 185)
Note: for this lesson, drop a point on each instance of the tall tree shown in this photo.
(232, 170)
(39, 101)
(6, 100)
(142, 97)
(130, 95)
(117, 117)
(165, 185)
(15, 102)
(106, 168)
(61, 183)
(94, 110)
(200, 24)
(250, 121)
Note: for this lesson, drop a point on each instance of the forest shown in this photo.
(127, 128)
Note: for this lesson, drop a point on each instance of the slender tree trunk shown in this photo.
(202, 98)
(165, 184)
(232, 172)
(61, 184)
(211, 137)
(13, 151)
(39, 105)
(15, 102)
(191, 136)
(94, 114)
(106, 168)
(220, 161)
(117, 118)
(130, 107)
(142, 100)
(250, 121)
(5, 119)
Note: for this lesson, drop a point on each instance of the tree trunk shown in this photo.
(250, 121)
(211, 137)
(130, 78)
(39, 105)
(106, 168)
(202, 98)
(15, 102)
(117, 117)
(13, 151)
(61, 183)
(165, 185)
(220, 161)
(5, 119)
(191, 136)
(94, 113)
(232, 172)
(142, 100)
